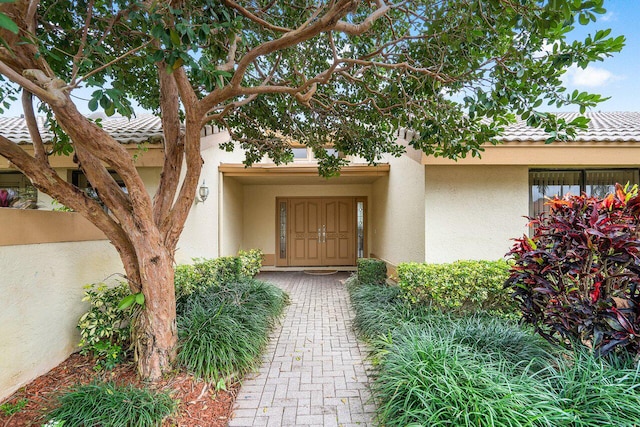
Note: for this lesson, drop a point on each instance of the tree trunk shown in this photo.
(154, 330)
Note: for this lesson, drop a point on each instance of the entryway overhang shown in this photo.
(301, 174)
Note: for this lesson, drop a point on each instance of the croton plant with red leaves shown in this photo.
(577, 278)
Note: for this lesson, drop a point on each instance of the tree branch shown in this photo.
(244, 12)
(31, 86)
(291, 38)
(173, 146)
(231, 56)
(30, 17)
(357, 29)
(32, 124)
(83, 41)
(110, 63)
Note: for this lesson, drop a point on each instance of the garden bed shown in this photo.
(199, 403)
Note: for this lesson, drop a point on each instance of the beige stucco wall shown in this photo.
(201, 235)
(397, 211)
(260, 208)
(473, 211)
(231, 217)
(42, 289)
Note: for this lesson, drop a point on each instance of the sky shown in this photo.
(617, 77)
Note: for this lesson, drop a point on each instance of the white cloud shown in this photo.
(607, 17)
(589, 77)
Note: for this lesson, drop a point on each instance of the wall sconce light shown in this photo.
(203, 192)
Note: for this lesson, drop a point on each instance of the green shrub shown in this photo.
(218, 271)
(250, 262)
(104, 329)
(188, 280)
(107, 404)
(577, 278)
(223, 330)
(458, 286)
(372, 271)
(205, 273)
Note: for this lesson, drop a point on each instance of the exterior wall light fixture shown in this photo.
(203, 193)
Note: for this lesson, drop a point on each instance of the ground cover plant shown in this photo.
(223, 330)
(107, 404)
(438, 368)
(576, 279)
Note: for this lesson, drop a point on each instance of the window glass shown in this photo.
(79, 179)
(300, 153)
(599, 183)
(546, 184)
(283, 230)
(360, 226)
(332, 152)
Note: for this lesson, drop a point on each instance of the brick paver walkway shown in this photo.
(313, 373)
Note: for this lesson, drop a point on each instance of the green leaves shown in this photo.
(111, 100)
(8, 24)
(457, 72)
(129, 300)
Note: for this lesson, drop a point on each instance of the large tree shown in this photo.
(344, 72)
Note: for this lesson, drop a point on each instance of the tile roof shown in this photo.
(615, 127)
(143, 128)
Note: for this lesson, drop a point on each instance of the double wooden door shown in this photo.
(321, 231)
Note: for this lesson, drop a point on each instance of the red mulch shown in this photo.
(199, 404)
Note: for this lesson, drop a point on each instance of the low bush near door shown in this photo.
(372, 271)
(458, 286)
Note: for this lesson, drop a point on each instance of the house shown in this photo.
(410, 208)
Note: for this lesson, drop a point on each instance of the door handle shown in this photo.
(319, 235)
(324, 233)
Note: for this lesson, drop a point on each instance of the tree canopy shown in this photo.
(348, 72)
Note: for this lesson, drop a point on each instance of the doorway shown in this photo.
(317, 231)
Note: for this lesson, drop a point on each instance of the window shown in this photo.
(283, 230)
(360, 229)
(545, 184)
(19, 191)
(300, 153)
(80, 180)
(333, 152)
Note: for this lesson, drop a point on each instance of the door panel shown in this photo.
(303, 234)
(322, 232)
(340, 232)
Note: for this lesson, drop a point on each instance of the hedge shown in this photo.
(458, 286)
(372, 271)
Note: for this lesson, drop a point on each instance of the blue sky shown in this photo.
(617, 77)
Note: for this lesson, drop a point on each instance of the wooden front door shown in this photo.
(321, 232)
